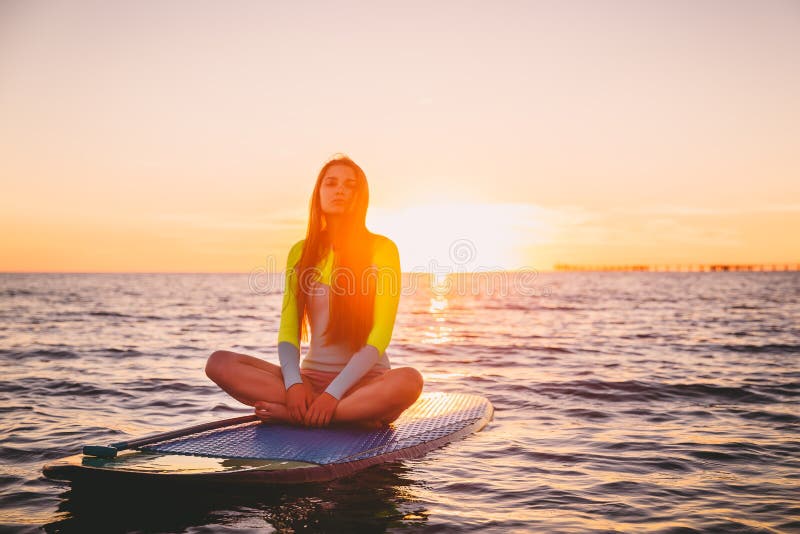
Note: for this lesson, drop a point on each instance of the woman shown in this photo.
(343, 282)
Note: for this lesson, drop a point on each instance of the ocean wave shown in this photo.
(116, 352)
(160, 385)
(634, 390)
(18, 292)
(27, 453)
(46, 354)
(769, 348)
(102, 313)
(40, 386)
(773, 417)
(62, 315)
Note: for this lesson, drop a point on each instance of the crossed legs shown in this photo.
(257, 383)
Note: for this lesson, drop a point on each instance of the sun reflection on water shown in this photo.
(438, 332)
(438, 305)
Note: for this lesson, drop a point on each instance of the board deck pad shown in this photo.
(256, 453)
(431, 417)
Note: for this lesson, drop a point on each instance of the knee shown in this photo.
(216, 365)
(411, 381)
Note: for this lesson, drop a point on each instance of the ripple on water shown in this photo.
(50, 387)
(43, 354)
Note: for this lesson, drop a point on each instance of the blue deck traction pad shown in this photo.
(433, 416)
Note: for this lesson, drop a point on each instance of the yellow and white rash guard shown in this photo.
(338, 358)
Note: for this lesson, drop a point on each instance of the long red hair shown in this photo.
(352, 295)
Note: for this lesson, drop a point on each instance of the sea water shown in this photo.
(637, 402)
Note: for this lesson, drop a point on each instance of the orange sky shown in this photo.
(142, 136)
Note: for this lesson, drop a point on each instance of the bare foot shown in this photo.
(272, 412)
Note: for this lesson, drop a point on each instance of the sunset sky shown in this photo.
(186, 136)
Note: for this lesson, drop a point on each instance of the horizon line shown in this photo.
(788, 266)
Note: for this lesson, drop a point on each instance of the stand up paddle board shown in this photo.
(243, 450)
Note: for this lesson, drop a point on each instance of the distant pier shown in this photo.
(685, 268)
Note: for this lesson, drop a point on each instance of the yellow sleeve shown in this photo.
(289, 330)
(387, 293)
(387, 297)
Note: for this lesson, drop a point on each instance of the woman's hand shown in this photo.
(321, 411)
(298, 398)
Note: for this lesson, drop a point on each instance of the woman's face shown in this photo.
(337, 190)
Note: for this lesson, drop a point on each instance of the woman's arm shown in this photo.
(387, 299)
(289, 331)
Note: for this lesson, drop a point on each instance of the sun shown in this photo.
(461, 237)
